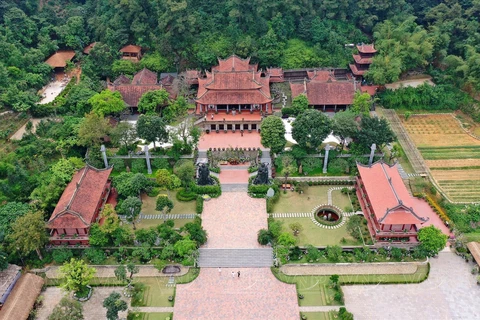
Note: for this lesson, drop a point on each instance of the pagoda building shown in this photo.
(363, 59)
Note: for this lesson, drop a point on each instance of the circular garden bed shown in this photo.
(328, 215)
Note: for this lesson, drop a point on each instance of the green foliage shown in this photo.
(338, 166)
(313, 254)
(196, 231)
(92, 129)
(466, 218)
(138, 165)
(131, 207)
(273, 134)
(186, 173)
(286, 239)
(10, 212)
(129, 184)
(151, 101)
(311, 163)
(354, 225)
(121, 273)
(264, 237)
(148, 236)
(67, 309)
(94, 256)
(361, 103)
(300, 104)
(118, 164)
(275, 227)
(62, 255)
(163, 204)
(374, 130)
(160, 163)
(333, 253)
(123, 67)
(343, 314)
(432, 240)
(185, 247)
(310, 128)
(114, 304)
(106, 103)
(183, 195)
(77, 275)
(28, 234)
(298, 54)
(199, 204)
(151, 128)
(97, 237)
(155, 62)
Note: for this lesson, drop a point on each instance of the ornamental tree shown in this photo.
(432, 239)
(131, 208)
(124, 134)
(121, 273)
(92, 129)
(152, 128)
(114, 305)
(310, 129)
(107, 102)
(272, 132)
(361, 103)
(344, 125)
(300, 104)
(164, 204)
(77, 275)
(186, 173)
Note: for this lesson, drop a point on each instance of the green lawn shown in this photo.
(317, 236)
(320, 315)
(151, 316)
(472, 236)
(179, 207)
(156, 292)
(147, 223)
(313, 196)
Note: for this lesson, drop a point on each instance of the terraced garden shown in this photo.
(452, 155)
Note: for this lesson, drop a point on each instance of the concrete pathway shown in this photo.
(450, 292)
(257, 294)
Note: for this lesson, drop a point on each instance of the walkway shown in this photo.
(168, 216)
(229, 140)
(450, 292)
(351, 268)
(233, 220)
(109, 271)
(257, 294)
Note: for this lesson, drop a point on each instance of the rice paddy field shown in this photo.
(452, 155)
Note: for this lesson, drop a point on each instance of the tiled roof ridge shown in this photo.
(77, 186)
(72, 212)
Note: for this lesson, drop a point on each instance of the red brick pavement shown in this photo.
(234, 176)
(233, 220)
(257, 294)
(229, 140)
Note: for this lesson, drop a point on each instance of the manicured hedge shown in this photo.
(183, 195)
(199, 207)
(213, 191)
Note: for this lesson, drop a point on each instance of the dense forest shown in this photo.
(442, 37)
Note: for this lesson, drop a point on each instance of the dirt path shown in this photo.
(410, 83)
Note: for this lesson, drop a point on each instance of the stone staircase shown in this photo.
(234, 187)
(233, 258)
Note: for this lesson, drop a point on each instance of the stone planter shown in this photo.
(90, 291)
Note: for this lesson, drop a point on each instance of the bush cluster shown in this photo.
(433, 204)
(199, 205)
(183, 195)
(213, 191)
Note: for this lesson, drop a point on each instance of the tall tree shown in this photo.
(77, 275)
(92, 129)
(344, 125)
(432, 240)
(152, 128)
(300, 103)
(151, 101)
(310, 129)
(186, 173)
(124, 133)
(273, 134)
(164, 205)
(28, 234)
(361, 103)
(374, 130)
(107, 103)
(67, 309)
(131, 208)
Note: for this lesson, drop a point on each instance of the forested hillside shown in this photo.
(180, 34)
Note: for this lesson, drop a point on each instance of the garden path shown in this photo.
(105, 271)
(450, 292)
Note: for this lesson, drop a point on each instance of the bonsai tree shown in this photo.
(77, 275)
(114, 305)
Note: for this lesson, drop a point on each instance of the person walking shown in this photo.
(219, 271)
(233, 274)
(238, 273)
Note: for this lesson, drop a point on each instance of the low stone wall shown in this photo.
(351, 268)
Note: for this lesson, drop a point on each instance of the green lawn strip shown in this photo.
(318, 236)
(150, 316)
(156, 292)
(472, 236)
(147, 223)
(342, 200)
(319, 315)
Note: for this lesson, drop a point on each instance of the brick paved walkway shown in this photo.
(233, 220)
(450, 292)
(351, 268)
(229, 140)
(109, 272)
(257, 294)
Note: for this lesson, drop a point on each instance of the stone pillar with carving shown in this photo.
(372, 153)
(325, 160)
(147, 158)
(103, 150)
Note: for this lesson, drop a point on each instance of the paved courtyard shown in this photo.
(257, 294)
(450, 292)
(92, 309)
(233, 220)
(229, 140)
(233, 176)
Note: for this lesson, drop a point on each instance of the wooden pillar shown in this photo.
(323, 108)
(227, 108)
(239, 108)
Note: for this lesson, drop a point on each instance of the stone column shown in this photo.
(227, 108)
(372, 153)
(325, 160)
(147, 158)
(239, 108)
(103, 150)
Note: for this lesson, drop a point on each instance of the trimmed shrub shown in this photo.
(199, 206)
(186, 196)
(160, 163)
(138, 165)
(118, 164)
(264, 237)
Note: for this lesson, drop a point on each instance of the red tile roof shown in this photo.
(275, 72)
(89, 48)
(131, 48)
(131, 94)
(60, 58)
(234, 63)
(371, 90)
(234, 81)
(325, 93)
(168, 80)
(145, 76)
(366, 48)
(321, 75)
(122, 79)
(355, 70)
(358, 59)
(78, 203)
(390, 200)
